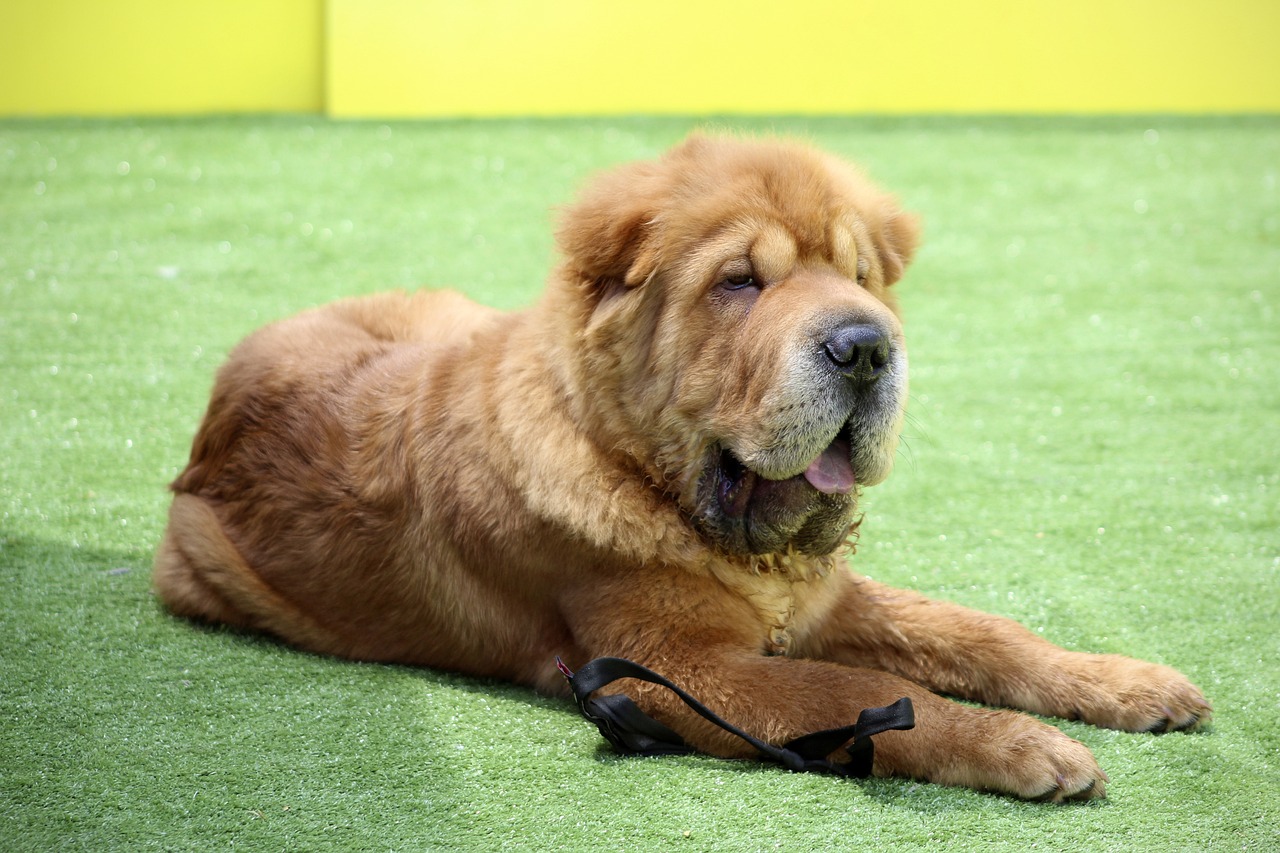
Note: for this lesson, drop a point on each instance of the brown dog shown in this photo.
(660, 460)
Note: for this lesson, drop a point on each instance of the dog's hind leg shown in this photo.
(201, 575)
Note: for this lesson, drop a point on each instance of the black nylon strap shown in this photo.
(630, 730)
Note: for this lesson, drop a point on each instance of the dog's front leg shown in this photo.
(708, 642)
(991, 659)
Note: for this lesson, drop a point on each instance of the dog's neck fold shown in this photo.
(772, 585)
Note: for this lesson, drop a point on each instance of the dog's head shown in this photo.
(734, 334)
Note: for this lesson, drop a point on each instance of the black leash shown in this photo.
(632, 731)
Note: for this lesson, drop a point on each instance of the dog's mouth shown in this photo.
(830, 473)
(810, 512)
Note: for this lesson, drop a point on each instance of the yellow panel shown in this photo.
(549, 57)
(103, 57)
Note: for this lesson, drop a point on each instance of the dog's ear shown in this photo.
(896, 237)
(607, 237)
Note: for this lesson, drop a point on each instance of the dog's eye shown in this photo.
(864, 267)
(738, 282)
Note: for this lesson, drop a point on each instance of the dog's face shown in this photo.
(736, 336)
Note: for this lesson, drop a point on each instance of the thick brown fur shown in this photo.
(627, 469)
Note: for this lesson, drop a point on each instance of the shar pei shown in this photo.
(659, 461)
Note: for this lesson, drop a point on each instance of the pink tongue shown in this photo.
(831, 472)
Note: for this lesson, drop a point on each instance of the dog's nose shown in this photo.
(858, 351)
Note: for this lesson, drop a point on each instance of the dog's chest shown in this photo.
(776, 587)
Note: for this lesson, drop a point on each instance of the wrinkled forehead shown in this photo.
(780, 215)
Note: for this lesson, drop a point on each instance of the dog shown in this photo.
(660, 460)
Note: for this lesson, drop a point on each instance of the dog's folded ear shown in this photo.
(896, 237)
(607, 237)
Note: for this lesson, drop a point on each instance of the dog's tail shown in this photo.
(200, 574)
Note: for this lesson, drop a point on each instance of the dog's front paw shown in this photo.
(1029, 759)
(1000, 751)
(1132, 695)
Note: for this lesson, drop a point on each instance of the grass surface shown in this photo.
(1094, 450)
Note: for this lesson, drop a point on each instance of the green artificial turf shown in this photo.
(1093, 449)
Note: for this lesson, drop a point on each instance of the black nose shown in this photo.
(858, 351)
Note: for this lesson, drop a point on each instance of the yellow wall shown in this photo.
(478, 57)
(131, 57)
(391, 58)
